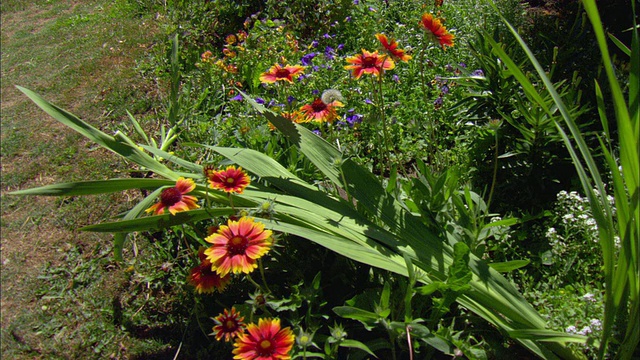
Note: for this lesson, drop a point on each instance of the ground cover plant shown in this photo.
(324, 195)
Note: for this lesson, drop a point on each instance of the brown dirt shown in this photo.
(35, 230)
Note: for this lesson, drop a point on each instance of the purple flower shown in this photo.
(302, 77)
(314, 43)
(307, 59)
(478, 72)
(315, 68)
(445, 89)
(356, 2)
(290, 99)
(260, 100)
(439, 101)
(328, 53)
(317, 132)
(462, 65)
(395, 78)
(237, 98)
(347, 19)
(340, 47)
(354, 119)
(271, 103)
(448, 68)
(315, 92)
(326, 36)
(367, 101)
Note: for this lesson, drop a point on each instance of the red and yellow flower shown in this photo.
(237, 246)
(281, 73)
(321, 112)
(265, 341)
(436, 31)
(175, 199)
(369, 63)
(230, 180)
(391, 46)
(229, 325)
(206, 280)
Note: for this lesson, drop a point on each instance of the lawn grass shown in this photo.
(59, 285)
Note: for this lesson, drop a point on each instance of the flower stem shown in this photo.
(495, 170)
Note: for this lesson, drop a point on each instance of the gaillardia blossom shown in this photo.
(436, 31)
(265, 341)
(320, 112)
(229, 325)
(230, 180)
(391, 46)
(175, 199)
(205, 279)
(369, 63)
(280, 73)
(237, 246)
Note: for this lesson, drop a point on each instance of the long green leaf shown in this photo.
(122, 148)
(159, 221)
(94, 187)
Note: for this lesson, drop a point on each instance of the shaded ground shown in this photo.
(82, 57)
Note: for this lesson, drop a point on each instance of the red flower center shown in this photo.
(170, 196)
(318, 106)
(237, 245)
(282, 74)
(230, 324)
(369, 61)
(266, 348)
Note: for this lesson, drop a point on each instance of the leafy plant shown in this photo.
(621, 269)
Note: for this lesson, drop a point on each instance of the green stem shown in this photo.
(385, 131)
(264, 279)
(495, 170)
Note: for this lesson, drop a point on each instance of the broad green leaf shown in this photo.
(350, 312)
(509, 265)
(547, 335)
(355, 344)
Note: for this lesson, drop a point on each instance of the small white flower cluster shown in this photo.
(575, 223)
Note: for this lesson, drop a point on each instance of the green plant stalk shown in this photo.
(385, 131)
(495, 170)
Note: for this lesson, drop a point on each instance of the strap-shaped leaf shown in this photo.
(110, 143)
(94, 187)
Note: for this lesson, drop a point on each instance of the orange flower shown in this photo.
(174, 198)
(436, 31)
(320, 112)
(206, 280)
(369, 63)
(265, 341)
(228, 325)
(206, 56)
(392, 48)
(237, 246)
(278, 73)
(230, 180)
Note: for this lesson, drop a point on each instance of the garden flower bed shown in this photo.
(373, 179)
